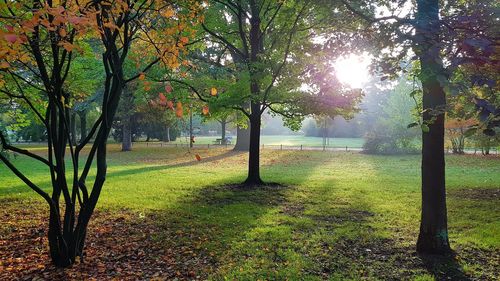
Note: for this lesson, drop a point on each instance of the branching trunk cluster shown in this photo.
(72, 201)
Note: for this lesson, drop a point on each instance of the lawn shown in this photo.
(286, 140)
(328, 215)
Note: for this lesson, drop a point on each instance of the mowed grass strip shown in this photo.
(331, 215)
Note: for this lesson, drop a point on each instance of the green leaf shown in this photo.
(425, 128)
(470, 132)
(411, 125)
(414, 93)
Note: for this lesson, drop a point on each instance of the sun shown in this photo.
(352, 70)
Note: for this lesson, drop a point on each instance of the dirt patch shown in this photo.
(269, 194)
(489, 194)
(295, 209)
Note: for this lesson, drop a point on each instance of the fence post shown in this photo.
(208, 146)
(281, 147)
(175, 145)
(301, 147)
(262, 146)
(147, 144)
(324, 148)
(346, 148)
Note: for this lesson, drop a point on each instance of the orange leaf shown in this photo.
(168, 88)
(62, 32)
(67, 46)
(142, 76)
(162, 97)
(178, 110)
(213, 91)
(198, 157)
(170, 104)
(168, 13)
(205, 110)
(11, 38)
(184, 40)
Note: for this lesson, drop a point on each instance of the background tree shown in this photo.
(389, 134)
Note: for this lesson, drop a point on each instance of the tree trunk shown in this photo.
(254, 148)
(73, 127)
(83, 125)
(242, 138)
(126, 134)
(433, 237)
(168, 134)
(256, 46)
(223, 131)
(127, 104)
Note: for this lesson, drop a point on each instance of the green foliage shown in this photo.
(395, 132)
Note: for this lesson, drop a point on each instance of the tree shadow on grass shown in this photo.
(208, 227)
(444, 267)
(150, 168)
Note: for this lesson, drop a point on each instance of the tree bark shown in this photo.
(256, 45)
(73, 127)
(253, 177)
(126, 134)
(83, 124)
(127, 111)
(223, 131)
(242, 138)
(433, 237)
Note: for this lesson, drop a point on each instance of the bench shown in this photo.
(221, 141)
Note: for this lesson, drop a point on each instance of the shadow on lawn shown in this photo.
(207, 227)
(172, 166)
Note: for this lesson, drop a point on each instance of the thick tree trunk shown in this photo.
(242, 139)
(253, 177)
(433, 237)
(126, 134)
(256, 46)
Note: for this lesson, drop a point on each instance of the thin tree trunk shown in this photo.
(83, 125)
(223, 131)
(127, 111)
(126, 134)
(72, 124)
(433, 236)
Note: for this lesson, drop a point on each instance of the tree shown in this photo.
(269, 47)
(394, 110)
(39, 41)
(431, 30)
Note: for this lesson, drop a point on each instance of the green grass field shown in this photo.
(286, 140)
(333, 216)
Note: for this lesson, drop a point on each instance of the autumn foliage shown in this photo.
(38, 42)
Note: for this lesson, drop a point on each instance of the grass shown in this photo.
(335, 216)
(286, 140)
